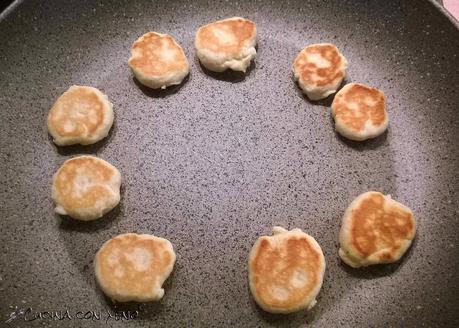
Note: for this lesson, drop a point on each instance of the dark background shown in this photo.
(4, 4)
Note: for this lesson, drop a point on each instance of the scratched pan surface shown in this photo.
(219, 161)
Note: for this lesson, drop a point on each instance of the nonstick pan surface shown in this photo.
(213, 164)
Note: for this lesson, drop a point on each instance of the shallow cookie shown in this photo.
(286, 271)
(229, 43)
(360, 112)
(319, 69)
(81, 115)
(132, 267)
(375, 229)
(86, 187)
(157, 61)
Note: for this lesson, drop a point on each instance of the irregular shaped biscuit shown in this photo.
(157, 61)
(375, 229)
(319, 69)
(360, 112)
(81, 115)
(228, 43)
(86, 187)
(132, 267)
(286, 271)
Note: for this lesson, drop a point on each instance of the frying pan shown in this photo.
(213, 164)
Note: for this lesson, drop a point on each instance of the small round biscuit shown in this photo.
(319, 69)
(375, 229)
(132, 267)
(229, 43)
(286, 271)
(360, 112)
(157, 61)
(81, 115)
(86, 187)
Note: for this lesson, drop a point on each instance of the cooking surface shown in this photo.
(219, 161)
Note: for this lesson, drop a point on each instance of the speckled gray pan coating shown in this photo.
(215, 163)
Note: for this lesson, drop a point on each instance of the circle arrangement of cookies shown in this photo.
(285, 270)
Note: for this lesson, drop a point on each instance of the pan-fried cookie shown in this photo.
(375, 229)
(319, 70)
(86, 187)
(132, 267)
(229, 43)
(286, 271)
(81, 115)
(360, 112)
(157, 61)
